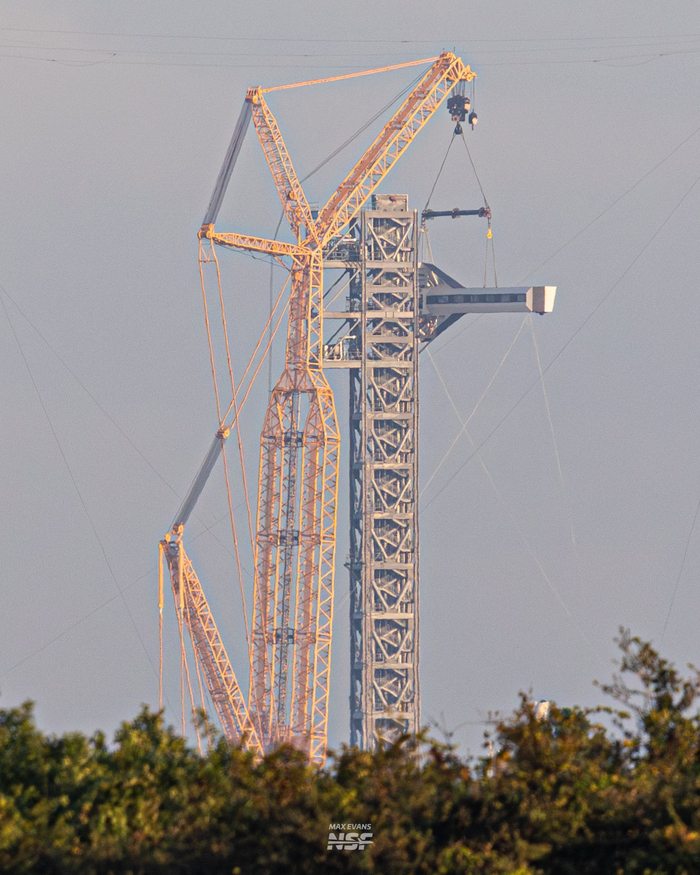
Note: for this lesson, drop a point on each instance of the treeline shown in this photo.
(584, 791)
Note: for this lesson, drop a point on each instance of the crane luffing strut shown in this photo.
(298, 485)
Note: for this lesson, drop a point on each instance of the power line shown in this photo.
(332, 54)
(354, 40)
(69, 63)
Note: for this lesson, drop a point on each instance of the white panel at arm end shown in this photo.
(543, 298)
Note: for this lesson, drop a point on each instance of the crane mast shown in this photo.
(298, 481)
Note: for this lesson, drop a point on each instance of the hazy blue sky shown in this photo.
(115, 121)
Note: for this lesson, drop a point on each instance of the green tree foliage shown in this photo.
(585, 791)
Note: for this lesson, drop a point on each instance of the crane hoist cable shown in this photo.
(457, 113)
(423, 227)
(476, 175)
(218, 447)
(489, 233)
(268, 327)
(439, 173)
(234, 395)
(499, 495)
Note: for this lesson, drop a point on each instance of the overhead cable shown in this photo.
(680, 573)
(77, 488)
(553, 589)
(326, 39)
(614, 203)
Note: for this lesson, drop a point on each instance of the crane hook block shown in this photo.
(458, 107)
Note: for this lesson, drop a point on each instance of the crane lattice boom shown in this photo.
(298, 485)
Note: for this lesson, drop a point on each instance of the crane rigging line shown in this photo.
(327, 304)
(422, 61)
(360, 130)
(489, 235)
(614, 203)
(76, 487)
(578, 234)
(555, 446)
(457, 334)
(235, 544)
(262, 358)
(160, 625)
(571, 338)
(235, 407)
(471, 161)
(339, 292)
(236, 390)
(203, 259)
(466, 422)
(624, 273)
(207, 259)
(439, 174)
(202, 699)
(554, 590)
(192, 705)
(205, 530)
(546, 398)
(265, 351)
(185, 674)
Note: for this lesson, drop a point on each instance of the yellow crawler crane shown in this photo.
(298, 486)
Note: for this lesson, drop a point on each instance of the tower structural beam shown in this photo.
(385, 688)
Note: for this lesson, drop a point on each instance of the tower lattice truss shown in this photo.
(385, 695)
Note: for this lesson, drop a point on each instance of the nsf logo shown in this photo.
(349, 836)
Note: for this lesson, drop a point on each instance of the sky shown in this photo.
(577, 513)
